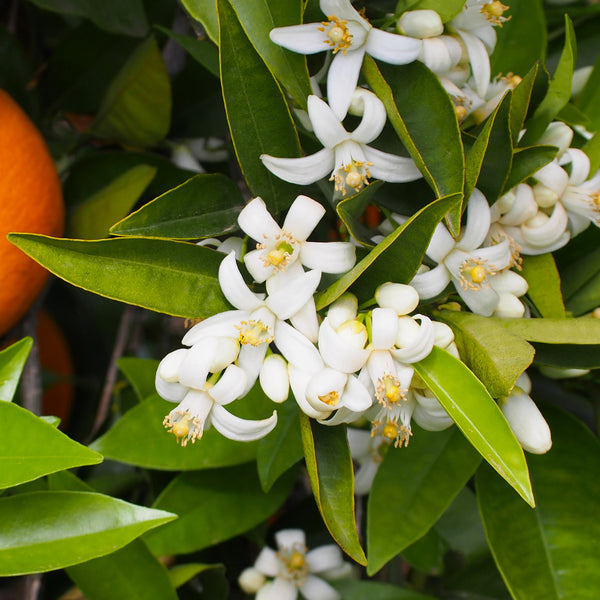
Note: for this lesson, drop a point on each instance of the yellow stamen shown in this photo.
(461, 113)
(388, 391)
(281, 254)
(178, 423)
(355, 175)
(493, 12)
(392, 431)
(478, 274)
(474, 273)
(337, 36)
(296, 561)
(254, 333)
(332, 398)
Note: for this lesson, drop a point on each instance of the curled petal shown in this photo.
(302, 171)
(298, 382)
(550, 231)
(441, 244)
(337, 353)
(196, 365)
(580, 166)
(431, 283)
(422, 345)
(553, 176)
(478, 222)
(524, 207)
(241, 430)
(171, 391)
(326, 124)
(233, 285)
(373, 117)
(392, 48)
(389, 167)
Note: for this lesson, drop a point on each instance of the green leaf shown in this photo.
(116, 16)
(447, 9)
(93, 218)
(203, 206)
(352, 589)
(329, 467)
(496, 356)
(140, 373)
(472, 408)
(396, 258)
(433, 468)
(551, 551)
(417, 105)
(43, 531)
(214, 506)
(257, 19)
(12, 361)
(588, 100)
(160, 449)
(136, 109)
(521, 41)
(30, 448)
(175, 278)
(544, 285)
(555, 331)
(350, 210)
(282, 448)
(205, 13)
(526, 161)
(525, 96)
(180, 574)
(131, 572)
(592, 149)
(257, 112)
(559, 91)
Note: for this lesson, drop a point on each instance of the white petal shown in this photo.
(306, 321)
(302, 217)
(380, 363)
(230, 386)
(219, 325)
(478, 222)
(323, 383)
(251, 359)
(431, 421)
(328, 257)
(384, 328)
(337, 353)
(479, 59)
(441, 243)
(278, 589)
(403, 299)
(510, 282)
(290, 538)
(288, 300)
(173, 392)
(274, 379)
(553, 176)
(373, 117)
(195, 366)
(431, 283)
(241, 430)
(168, 368)
(324, 558)
(298, 381)
(524, 207)
(296, 348)
(302, 171)
(315, 588)
(342, 9)
(356, 396)
(364, 476)
(422, 345)
(342, 79)
(389, 167)
(342, 310)
(580, 166)
(391, 48)
(267, 562)
(304, 39)
(233, 285)
(326, 124)
(256, 266)
(527, 422)
(359, 441)
(257, 222)
(550, 231)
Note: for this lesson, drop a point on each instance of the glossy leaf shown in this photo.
(203, 206)
(30, 448)
(180, 574)
(160, 449)
(427, 553)
(544, 285)
(116, 16)
(67, 528)
(555, 331)
(433, 469)
(396, 258)
(282, 448)
(351, 209)
(551, 551)
(588, 100)
(472, 408)
(496, 356)
(352, 589)
(176, 278)
(257, 19)
(140, 372)
(329, 467)
(131, 572)
(93, 218)
(213, 506)
(257, 112)
(592, 149)
(447, 9)
(205, 13)
(136, 108)
(12, 361)
(526, 161)
(532, 89)
(417, 104)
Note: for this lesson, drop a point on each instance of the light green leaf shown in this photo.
(136, 109)
(472, 408)
(396, 258)
(180, 574)
(30, 448)
(205, 13)
(257, 112)
(203, 206)
(140, 373)
(496, 356)
(12, 361)
(352, 589)
(329, 466)
(588, 100)
(115, 16)
(447, 9)
(580, 331)
(176, 278)
(592, 149)
(93, 218)
(544, 285)
(433, 468)
(43, 531)
(551, 551)
(526, 161)
(160, 450)
(214, 506)
(131, 572)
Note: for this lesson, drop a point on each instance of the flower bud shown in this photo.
(509, 307)
(399, 297)
(420, 24)
(557, 134)
(544, 196)
(274, 379)
(251, 580)
(343, 309)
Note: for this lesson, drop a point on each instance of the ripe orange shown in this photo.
(30, 201)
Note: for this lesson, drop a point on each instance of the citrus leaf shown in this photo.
(140, 373)
(472, 408)
(329, 467)
(351, 589)
(205, 13)
(43, 531)
(12, 361)
(30, 448)
(544, 285)
(526, 161)
(433, 468)
(203, 206)
(176, 278)
(350, 209)
(555, 331)
(447, 9)
(550, 551)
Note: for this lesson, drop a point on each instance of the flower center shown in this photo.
(294, 564)
(388, 391)
(391, 431)
(331, 399)
(337, 36)
(280, 252)
(254, 333)
(493, 12)
(183, 426)
(355, 175)
(474, 273)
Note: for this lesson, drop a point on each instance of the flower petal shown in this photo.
(302, 171)
(230, 386)
(302, 217)
(441, 243)
(306, 321)
(171, 391)
(341, 81)
(267, 562)
(384, 327)
(315, 588)
(326, 124)
(241, 430)
(296, 348)
(290, 538)
(234, 287)
(288, 300)
(356, 396)
(328, 257)
(373, 116)
(392, 48)
(431, 283)
(478, 222)
(304, 39)
(421, 347)
(337, 353)
(274, 378)
(298, 381)
(324, 558)
(196, 365)
(257, 222)
(389, 167)
(219, 325)
(479, 59)
(278, 589)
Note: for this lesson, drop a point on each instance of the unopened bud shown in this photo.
(420, 24)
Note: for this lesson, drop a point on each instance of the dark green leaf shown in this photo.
(214, 506)
(526, 161)
(433, 469)
(140, 373)
(588, 100)
(544, 285)
(533, 88)
(396, 258)
(43, 531)
(427, 553)
(352, 589)
(176, 278)
(569, 356)
(496, 356)
(30, 448)
(203, 206)
(472, 408)
(351, 209)
(257, 112)
(205, 13)
(180, 574)
(136, 109)
(551, 551)
(329, 466)
(12, 361)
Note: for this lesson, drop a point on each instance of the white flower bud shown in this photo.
(399, 297)
(509, 307)
(544, 196)
(251, 580)
(409, 332)
(353, 333)
(420, 24)
(443, 334)
(557, 134)
(343, 309)
(226, 352)
(274, 379)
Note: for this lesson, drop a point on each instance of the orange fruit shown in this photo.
(30, 201)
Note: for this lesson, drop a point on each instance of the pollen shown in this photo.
(178, 423)
(295, 567)
(388, 391)
(254, 333)
(474, 273)
(280, 252)
(331, 399)
(399, 434)
(337, 36)
(478, 274)
(461, 113)
(296, 561)
(355, 175)
(494, 11)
